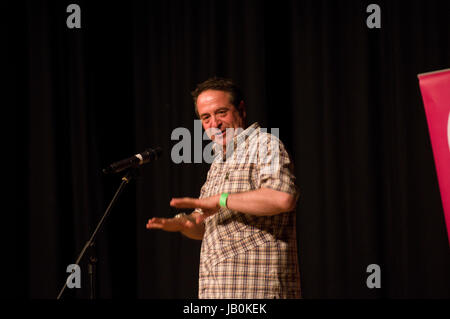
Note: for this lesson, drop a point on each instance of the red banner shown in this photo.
(435, 89)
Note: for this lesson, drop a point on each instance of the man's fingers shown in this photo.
(168, 224)
(156, 223)
(200, 218)
(154, 226)
(186, 202)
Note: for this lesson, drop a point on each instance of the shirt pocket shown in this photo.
(239, 179)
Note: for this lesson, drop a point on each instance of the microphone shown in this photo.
(135, 161)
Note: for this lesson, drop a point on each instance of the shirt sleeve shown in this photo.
(276, 170)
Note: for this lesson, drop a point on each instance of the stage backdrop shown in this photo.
(344, 96)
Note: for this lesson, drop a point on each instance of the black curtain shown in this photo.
(344, 97)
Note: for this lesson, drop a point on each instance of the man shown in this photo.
(245, 213)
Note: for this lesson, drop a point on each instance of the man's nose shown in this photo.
(215, 122)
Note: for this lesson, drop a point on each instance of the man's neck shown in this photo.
(240, 129)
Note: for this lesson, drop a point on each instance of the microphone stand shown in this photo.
(90, 243)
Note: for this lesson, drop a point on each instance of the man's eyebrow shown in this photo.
(222, 108)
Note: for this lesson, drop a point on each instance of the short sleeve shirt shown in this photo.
(246, 256)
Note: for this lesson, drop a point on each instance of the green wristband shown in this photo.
(223, 200)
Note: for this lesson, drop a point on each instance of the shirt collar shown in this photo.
(238, 139)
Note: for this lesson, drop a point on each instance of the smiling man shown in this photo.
(245, 213)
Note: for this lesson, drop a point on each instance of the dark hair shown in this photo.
(219, 84)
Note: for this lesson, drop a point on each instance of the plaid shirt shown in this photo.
(243, 255)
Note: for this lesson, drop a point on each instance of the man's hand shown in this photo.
(260, 202)
(187, 226)
(169, 224)
(209, 205)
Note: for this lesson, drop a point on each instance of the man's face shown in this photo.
(218, 114)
